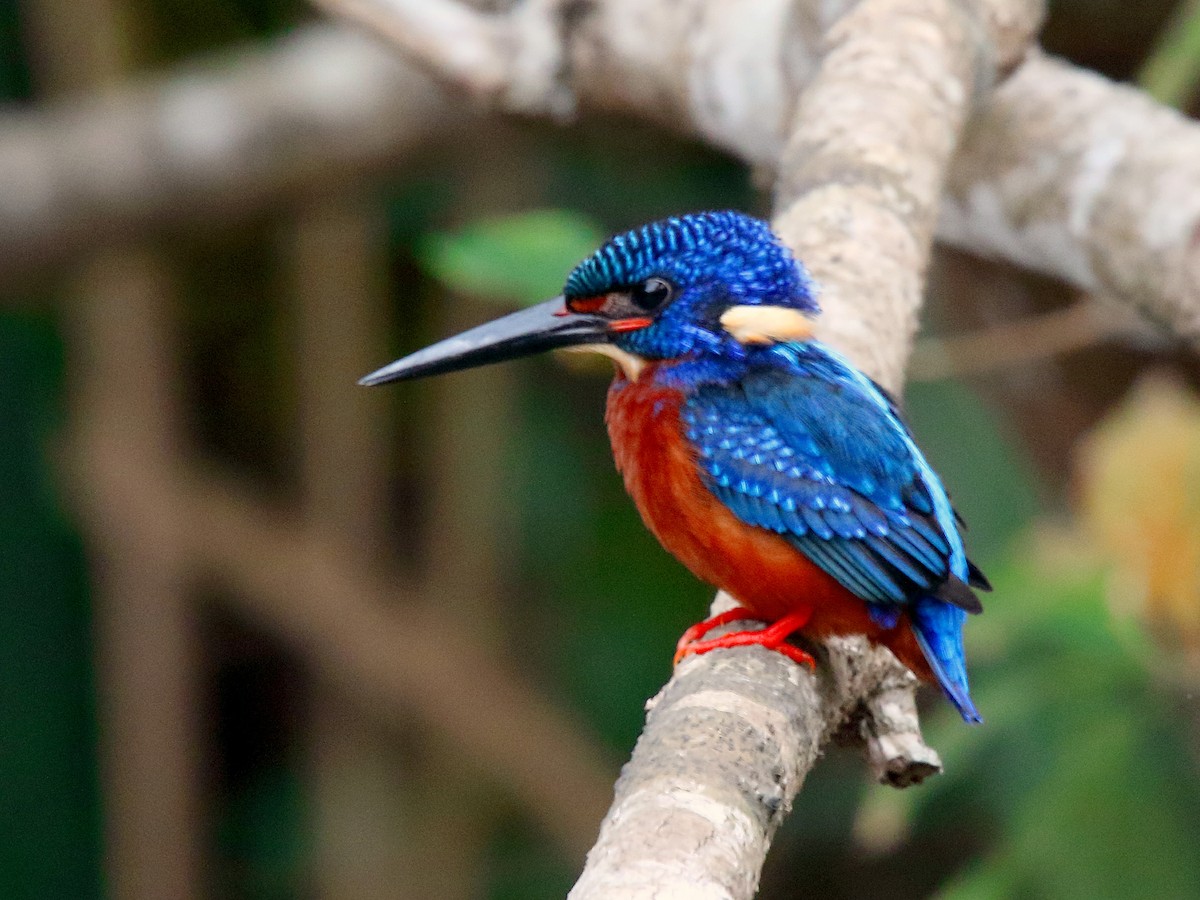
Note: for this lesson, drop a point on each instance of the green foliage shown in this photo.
(261, 835)
(1171, 74)
(520, 258)
(1081, 771)
(49, 806)
(990, 481)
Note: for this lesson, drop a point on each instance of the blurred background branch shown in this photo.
(317, 108)
(398, 660)
(1028, 185)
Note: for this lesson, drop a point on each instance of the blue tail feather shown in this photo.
(938, 629)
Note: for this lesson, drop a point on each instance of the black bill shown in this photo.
(543, 327)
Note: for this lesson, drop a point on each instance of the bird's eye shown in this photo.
(651, 294)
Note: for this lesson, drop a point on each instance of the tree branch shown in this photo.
(857, 194)
(207, 142)
(512, 59)
(1068, 174)
(1036, 337)
(727, 744)
(1062, 170)
(733, 735)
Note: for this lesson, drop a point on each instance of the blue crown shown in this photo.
(738, 251)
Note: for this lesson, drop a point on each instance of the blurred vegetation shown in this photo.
(49, 804)
(1172, 71)
(511, 259)
(1090, 782)
(1082, 783)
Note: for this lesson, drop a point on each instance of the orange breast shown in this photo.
(761, 569)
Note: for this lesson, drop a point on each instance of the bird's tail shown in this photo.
(937, 626)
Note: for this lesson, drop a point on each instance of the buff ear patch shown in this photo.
(766, 324)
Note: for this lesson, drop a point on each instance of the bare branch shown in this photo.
(727, 744)
(221, 139)
(1062, 170)
(1039, 336)
(857, 194)
(1068, 174)
(726, 747)
(512, 59)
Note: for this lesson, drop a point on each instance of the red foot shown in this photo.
(773, 637)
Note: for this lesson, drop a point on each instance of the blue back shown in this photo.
(808, 447)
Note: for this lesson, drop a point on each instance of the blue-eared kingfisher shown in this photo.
(758, 456)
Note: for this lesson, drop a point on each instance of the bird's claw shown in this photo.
(773, 637)
(690, 639)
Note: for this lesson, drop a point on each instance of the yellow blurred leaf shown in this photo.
(1139, 475)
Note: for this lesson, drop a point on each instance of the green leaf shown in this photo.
(1171, 73)
(522, 258)
(1081, 771)
(990, 478)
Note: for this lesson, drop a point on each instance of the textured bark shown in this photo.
(1068, 174)
(857, 193)
(727, 745)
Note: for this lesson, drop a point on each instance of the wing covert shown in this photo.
(832, 470)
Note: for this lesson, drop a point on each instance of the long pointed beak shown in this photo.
(542, 327)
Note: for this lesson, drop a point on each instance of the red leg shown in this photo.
(773, 637)
(700, 629)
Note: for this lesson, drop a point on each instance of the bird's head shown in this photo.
(706, 285)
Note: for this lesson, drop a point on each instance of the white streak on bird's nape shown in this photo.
(766, 324)
(631, 364)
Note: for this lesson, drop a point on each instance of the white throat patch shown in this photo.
(631, 364)
(766, 324)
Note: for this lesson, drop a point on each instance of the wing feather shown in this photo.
(821, 457)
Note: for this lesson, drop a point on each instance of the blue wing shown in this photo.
(808, 447)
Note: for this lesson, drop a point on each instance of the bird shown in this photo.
(756, 454)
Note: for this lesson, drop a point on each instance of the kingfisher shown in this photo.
(761, 458)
